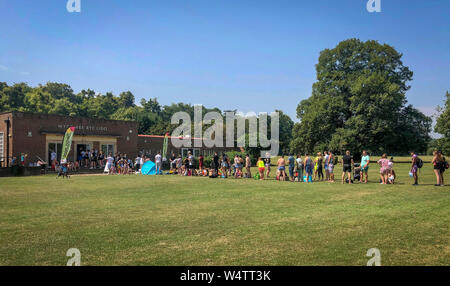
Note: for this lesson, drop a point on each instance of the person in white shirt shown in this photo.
(137, 163)
(158, 163)
(110, 164)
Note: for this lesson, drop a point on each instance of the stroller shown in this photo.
(357, 172)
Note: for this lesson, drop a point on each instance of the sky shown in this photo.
(233, 54)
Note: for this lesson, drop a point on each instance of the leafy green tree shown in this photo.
(357, 101)
(443, 127)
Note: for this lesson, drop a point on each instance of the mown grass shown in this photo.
(172, 220)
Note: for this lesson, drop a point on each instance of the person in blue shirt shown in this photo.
(365, 161)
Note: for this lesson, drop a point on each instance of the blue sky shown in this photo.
(245, 55)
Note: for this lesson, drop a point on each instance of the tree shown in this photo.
(357, 102)
(126, 99)
(443, 126)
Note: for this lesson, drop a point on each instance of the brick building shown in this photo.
(38, 134)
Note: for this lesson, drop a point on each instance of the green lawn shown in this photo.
(172, 220)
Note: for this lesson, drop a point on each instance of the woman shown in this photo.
(384, 169)
(299, 168)
(261, 168)
(319, 166)
(437, 166)
(308, 168)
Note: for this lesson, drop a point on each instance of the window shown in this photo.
(2, 144)
(107, 148)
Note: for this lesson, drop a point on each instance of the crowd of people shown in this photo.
(300, 168)
(307, 168)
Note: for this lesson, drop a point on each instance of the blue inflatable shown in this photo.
(149, 168)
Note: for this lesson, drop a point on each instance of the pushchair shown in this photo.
(357, 172)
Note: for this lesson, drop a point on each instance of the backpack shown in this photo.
(445, 164)
(335, 160)
(419, 163)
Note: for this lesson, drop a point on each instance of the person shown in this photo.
(414, 168)
(236, 166)
(216, 163)
(325, 165)
(158, 163)
(261, 169)
(200, 163)
(225, 165)
(248, 165)
(391, 173)
(110, 164)
(291, 161)
(318, 168)
(365, 160)
(52, 157)
(437, 167)
(347, 161)
(384, 169)
(101, 158)
(331, 162)
(281, 164)
(267, 164)
(299, 163)
(191, 164)
(179, 165)
(444, 166)
(137, 163)
(309, 165)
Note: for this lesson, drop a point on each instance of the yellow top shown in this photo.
(261, 164)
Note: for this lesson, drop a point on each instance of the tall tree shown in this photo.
(357, 101)
(443, 126)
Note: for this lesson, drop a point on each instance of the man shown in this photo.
(281, 164)
(365, 160)
(158, 163)
(216, 163)
(248, 164)
(291, 161)
(414, 168)
(347, 161)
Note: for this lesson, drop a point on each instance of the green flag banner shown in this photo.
(166, 140)
(67, 144)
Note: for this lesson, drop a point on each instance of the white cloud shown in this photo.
(24, 73)
(3, 68)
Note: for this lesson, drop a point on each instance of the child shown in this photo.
(63, 171)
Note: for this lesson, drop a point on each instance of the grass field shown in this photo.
(172, 220)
